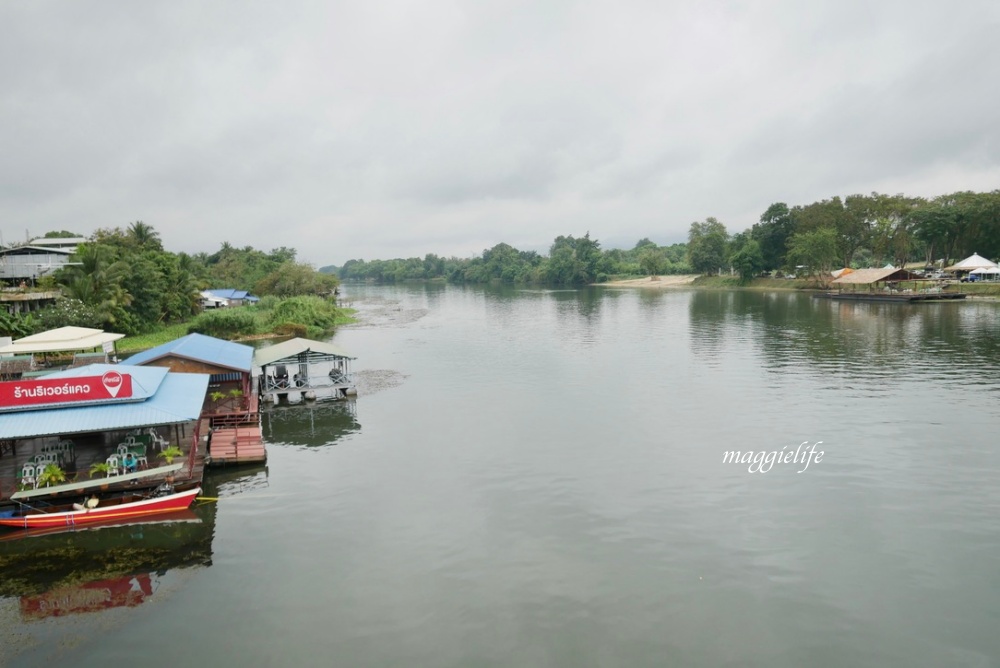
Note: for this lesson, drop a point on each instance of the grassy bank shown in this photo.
(978, 289)
(729, 282)
(133, 344)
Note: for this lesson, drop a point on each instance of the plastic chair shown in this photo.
(114, 468)
(29, 475)
(123, 448)
(139, 452)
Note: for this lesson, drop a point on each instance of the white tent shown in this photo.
(974, 261)
(989, 272)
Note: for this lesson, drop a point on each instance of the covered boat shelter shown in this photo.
(91, 407)
(306, 368)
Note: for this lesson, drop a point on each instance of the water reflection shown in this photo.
(103, 567)
(872, 339)
(65, 570)
(317, 424)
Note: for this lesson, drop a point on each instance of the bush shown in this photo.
(312, 313)
(226, 322)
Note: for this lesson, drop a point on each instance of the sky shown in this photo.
(379, 129)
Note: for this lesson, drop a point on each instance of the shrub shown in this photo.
(225, 322)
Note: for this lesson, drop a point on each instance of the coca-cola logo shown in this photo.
(112, 381)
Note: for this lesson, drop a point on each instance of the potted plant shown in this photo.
(169, 453)
(52, 474)
(99, 468)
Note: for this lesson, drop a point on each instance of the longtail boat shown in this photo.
(186, 516)
(124, 507)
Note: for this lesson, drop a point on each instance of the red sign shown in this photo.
(39, 391)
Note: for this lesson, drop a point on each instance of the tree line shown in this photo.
(571, 261)
(123, 280)
(857, 231)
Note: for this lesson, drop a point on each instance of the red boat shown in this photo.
(129, 506)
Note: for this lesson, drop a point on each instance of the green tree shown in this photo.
(707, 246)
(293, 279)
(816, 250)
(772, 232)
(748, 260)
(651, 260)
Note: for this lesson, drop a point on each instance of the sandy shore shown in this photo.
(676, 281)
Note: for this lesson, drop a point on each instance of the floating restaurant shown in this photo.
(84, 420)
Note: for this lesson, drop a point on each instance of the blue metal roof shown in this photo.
(200, 348)
(177, 398)
(145, 380)
(231, 293)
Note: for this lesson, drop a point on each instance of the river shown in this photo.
(535, 477)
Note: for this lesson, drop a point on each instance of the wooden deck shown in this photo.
(237, 445)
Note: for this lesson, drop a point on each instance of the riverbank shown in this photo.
(978, 291)
(717, 282)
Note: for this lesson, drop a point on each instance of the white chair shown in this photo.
(29, 475)
(114, 468)
(122, 449)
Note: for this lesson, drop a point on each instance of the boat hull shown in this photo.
(123, 511)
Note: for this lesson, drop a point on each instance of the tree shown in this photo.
(707, 246)
(772, 233)
(144, 236)
(574, 261)
(293, 279)
(816, 250)
(651, 261)
(746, 256)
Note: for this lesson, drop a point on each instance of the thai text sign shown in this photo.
(37, 391)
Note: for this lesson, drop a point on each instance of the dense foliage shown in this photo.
(123, 280)
(858, 231)
(298, 316)
(571, 261)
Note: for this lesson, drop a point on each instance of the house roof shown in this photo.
(175, 398)
(867, 276)
(63, 339)
(974, 261)
(200, 348)
(228, 293)
(36, 250)
(294, 348)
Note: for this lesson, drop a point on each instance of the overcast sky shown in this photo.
(380, 129)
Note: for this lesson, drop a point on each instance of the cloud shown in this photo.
(390, 129)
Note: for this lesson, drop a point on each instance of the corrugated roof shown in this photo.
(63, 339)
(865, 276)
(145, 380)
(200, 348)
(178, 398)
(292, 348)
(21, 250)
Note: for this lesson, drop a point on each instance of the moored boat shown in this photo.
(124, 507)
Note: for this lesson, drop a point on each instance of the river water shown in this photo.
(538, 478)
